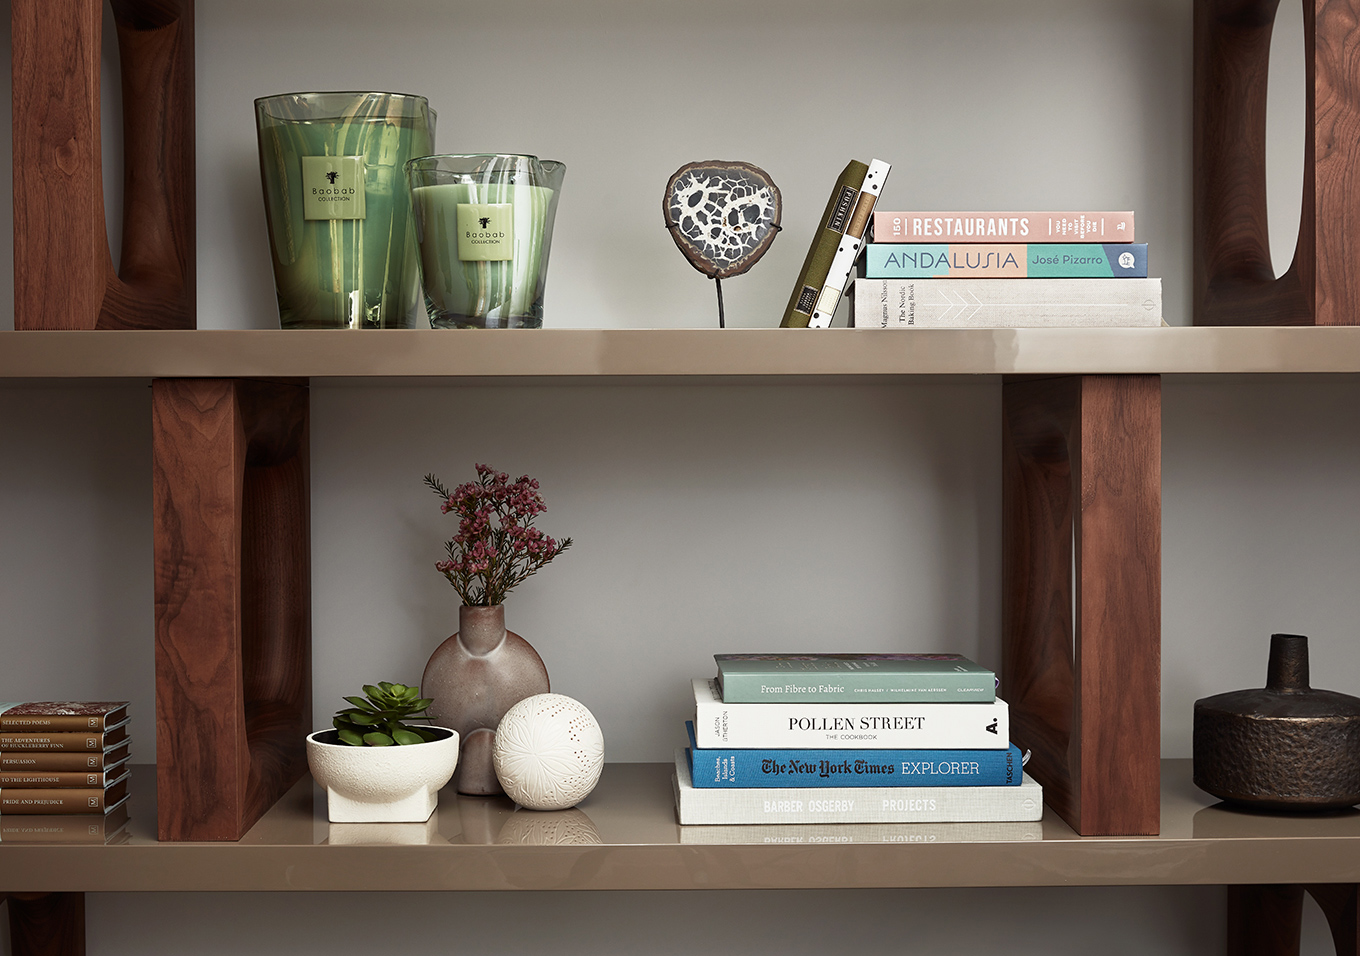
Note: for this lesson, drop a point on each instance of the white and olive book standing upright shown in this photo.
(851, 245)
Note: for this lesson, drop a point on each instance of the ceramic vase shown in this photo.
(1288, 746)
(474, 678)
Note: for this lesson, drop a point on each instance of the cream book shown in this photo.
(1007, 303)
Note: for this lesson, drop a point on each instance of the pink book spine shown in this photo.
(1003, 227)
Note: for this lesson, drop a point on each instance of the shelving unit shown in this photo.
(1081, 476)
(693, 355)
(624, 836)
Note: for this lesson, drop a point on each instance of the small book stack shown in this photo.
(851, 738)
(964, 270)
(64, 772)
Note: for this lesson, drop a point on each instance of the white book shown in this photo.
(805, 834)
(850, 246)
(766, 805)
(798, 726)
(1007, 303)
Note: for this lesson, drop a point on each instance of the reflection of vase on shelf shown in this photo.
(474, 678)
(482, 671)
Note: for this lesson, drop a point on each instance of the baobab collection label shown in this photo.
(486, 231)
(332, 187)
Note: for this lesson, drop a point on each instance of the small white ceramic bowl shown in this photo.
(397, 784)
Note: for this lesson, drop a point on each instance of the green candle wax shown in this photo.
(343, 272)
(466, 292)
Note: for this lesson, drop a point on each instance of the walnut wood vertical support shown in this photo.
(1265, 920)
(1234, 281)
(1081, 610)
(63, 271)
(47, 924)
(230, 489)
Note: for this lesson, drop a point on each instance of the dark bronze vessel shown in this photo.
(1284, 747)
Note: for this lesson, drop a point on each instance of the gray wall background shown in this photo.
(707, 518)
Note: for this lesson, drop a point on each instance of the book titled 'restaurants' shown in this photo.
(1003, 227)
(857, 678)
(884, 726)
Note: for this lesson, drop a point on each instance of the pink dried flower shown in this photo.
(496, 547)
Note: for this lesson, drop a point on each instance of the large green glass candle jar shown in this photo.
(484, 226)
(338, 206)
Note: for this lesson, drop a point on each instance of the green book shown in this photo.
(860, 678)
(829, 231)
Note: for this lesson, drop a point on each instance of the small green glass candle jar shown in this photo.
(336, 200)
(484, 226)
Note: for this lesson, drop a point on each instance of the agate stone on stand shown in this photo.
(722, 215)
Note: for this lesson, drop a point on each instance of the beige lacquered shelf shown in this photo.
(629, 354)
(624, 836)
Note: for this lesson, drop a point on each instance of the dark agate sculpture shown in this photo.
(723, 216)
(1284, 747)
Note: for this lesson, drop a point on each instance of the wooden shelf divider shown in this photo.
(46, 924)
(1081, 604)
(1265, 919)
(1234, 279)
(64, 277)
(230, 483)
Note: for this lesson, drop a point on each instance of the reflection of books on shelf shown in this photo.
(107, 828)
(1071, 260)
(1007, 303)
(891, 226)
(735, 768)
(30, 800)
(764, 805)
(805, 834)
(833, 678)
(61, 715)
(874, 726)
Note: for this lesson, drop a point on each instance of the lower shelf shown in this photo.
(624, 836)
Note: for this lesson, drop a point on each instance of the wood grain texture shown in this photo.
(1340, 903)
(1081, 605)
(1264, 919)
(1234, 280)
(1267, 919)
(64, 274)
(230, 488)
(47, 924)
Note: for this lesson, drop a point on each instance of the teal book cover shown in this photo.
(1047, 260)
(860, 678)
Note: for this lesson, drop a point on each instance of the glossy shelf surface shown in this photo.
(624, 836)
(626, 354)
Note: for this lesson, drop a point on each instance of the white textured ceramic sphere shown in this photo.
(549, 752)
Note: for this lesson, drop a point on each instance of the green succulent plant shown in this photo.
(376, 720)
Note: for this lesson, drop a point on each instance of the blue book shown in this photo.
(1039, 260)
(738, 769)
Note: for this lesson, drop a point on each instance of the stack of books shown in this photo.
(956, 270)
(64, 771)
(851, 738)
